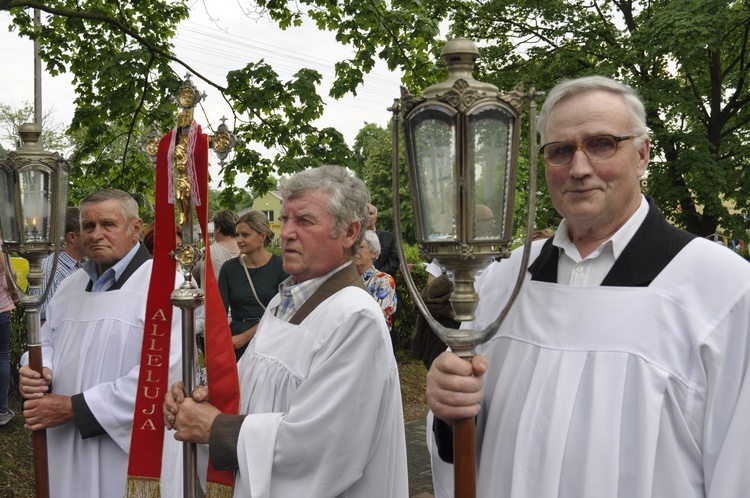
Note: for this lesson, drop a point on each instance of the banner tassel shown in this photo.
(216, 490)
(143, 487)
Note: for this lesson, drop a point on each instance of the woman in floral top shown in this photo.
(381, 285)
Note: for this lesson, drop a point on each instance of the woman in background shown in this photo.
(247, 283)
(381, 285)
(8, 300)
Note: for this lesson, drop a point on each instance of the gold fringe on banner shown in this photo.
(216, 490)
(143, 487)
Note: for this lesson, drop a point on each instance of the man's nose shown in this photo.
(286, 230)
(580, 165)
(96, 232)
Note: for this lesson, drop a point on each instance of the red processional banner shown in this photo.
(144, 466)
(146, 443)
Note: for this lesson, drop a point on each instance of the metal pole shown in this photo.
(31, 305)
(190, 482)
(188, 297)
(37, 73)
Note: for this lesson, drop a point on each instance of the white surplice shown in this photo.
(324, 405)
(92, 343)
(617, 391)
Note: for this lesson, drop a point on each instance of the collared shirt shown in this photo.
(294, 295)
(590, 271)
(66, 266)
(109, 277)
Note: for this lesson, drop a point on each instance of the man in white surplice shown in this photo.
(320, 397)
(91, 349)
(623, 368)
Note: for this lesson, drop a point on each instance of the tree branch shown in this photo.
(114, 23)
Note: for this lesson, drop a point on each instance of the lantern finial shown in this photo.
(459, 56)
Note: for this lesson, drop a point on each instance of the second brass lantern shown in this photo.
(462, 141)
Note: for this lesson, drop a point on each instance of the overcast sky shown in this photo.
(213, 48)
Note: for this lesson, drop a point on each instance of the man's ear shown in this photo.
(644, 155)
(351, 233)
(137, 228)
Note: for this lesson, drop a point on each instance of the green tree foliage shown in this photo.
(686, 57)
(399, 32)
(406, 312)
(688, 60)
(368, 137)
(117, 162)
(282, 119)
(120, 56)
(19, 340)
(374, 151)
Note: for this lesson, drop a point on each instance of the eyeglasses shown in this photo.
(489, 221)
(598, 148)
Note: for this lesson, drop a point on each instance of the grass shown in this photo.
(17, 463)
(413, 375)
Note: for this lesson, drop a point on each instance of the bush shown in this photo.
(19, 342)
(406, 313)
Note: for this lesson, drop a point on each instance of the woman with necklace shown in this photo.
(247, 283)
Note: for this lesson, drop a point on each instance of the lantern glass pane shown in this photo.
(36, 204)
(434, 152)
(490, 142)
(7, 211)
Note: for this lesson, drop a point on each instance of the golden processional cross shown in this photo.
(182, 171)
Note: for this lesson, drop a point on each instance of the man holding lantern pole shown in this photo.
(92, 343)
(622, 367)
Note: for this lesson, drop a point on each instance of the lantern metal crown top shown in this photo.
(459, 57)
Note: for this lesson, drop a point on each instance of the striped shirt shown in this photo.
(66, 266)
(294, 295)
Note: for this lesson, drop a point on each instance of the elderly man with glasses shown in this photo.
(622, 368)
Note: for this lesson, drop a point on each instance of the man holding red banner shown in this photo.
(92, 341)
(320, 398)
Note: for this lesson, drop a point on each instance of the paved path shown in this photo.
(420, 472)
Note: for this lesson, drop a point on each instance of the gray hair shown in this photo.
(127, 203)
(371, 238)
(568, 88)
(347, 196)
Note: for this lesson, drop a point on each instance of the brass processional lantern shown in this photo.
(33, 201)
(462, 142)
